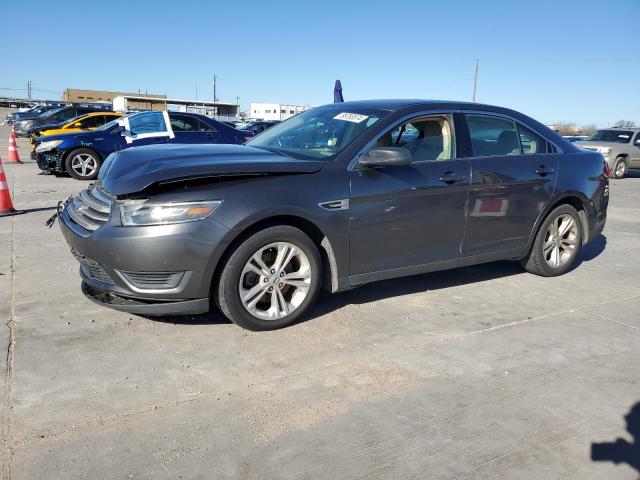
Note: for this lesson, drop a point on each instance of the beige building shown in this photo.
(76, 95)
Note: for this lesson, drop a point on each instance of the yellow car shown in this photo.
(90, 121)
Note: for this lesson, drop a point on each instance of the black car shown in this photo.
(55, 117)
(335, 197)
(260, 126)
(30, 114)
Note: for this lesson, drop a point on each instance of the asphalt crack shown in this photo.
(7, 425)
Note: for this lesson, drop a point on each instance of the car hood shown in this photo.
(135, 169)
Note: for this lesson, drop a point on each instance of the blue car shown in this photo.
(81, 154)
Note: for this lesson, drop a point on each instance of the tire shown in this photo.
(620, 168)
(74, 160)
(540, 260)
(267, 244)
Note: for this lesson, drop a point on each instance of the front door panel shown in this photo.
(402, 216)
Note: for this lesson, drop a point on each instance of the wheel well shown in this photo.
(66, 155)
(576, 203)
(322, 243)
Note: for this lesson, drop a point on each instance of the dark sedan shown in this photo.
(338, 196)
(81, 154)
(53, 118)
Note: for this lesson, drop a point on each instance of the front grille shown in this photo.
(92, 269)
(153, 280)
(90, 209)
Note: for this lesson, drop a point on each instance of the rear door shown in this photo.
(635, 152)
(513, 175)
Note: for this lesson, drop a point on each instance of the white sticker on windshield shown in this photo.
(351, 117)
(623, 136)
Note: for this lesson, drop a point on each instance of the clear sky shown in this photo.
(561, 60)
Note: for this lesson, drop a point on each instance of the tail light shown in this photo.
(607, 169)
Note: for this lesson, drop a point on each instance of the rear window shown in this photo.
(492, 136)
(618, 136)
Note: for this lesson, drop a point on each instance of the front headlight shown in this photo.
(46, 146)
(142, 213)
(604, 151)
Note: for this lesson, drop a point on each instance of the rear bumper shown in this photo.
(145, 307)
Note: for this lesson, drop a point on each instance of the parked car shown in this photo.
(81, 154)
(29, 114)
(333, 197)
(576, 138)
(87, 122)
(620, 147)
(53, 118)
(260, 126)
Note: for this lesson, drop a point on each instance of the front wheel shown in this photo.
(83, 164)
(619, 168)
(557, 243)
(270, 280)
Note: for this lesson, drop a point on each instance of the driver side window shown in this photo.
(428, 138)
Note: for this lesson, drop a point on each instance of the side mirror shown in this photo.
(118, 130)
(386, 157)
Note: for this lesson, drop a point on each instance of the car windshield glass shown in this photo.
(619, 136)
(50, 113)
(319, 133)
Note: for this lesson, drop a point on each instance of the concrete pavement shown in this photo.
(481, 373)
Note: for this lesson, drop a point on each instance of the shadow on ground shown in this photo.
(400, 287)
(620, 450)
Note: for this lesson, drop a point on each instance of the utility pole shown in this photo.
(215, 95)
(29, 89)
(238, 107)
(475, 82)
(196, 92)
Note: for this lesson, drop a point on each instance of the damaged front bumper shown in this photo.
(49, 162)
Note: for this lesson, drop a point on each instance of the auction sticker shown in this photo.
(351, 117)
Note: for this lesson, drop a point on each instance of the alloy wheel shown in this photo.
(560, 241)
(84, 164)
(621, 169)
(275, 281)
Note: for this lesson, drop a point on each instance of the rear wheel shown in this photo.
(270, 280)
(83, 164)
(619, 168)
(557, 243)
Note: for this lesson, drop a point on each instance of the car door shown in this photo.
(212, 134)
(147, 128)
(513, 175)
(186, 129)
(412, 215)
(635, 152)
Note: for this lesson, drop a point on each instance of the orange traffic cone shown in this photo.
(13, 156)
(6, 205)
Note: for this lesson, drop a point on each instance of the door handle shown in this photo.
(450, 178)
(542, 170)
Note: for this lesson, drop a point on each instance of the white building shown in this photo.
(275, 111)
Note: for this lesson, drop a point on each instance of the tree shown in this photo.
(624, 123)
(588, 129)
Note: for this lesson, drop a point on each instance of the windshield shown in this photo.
(619, 136)
(321, 132)
(50, 113)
